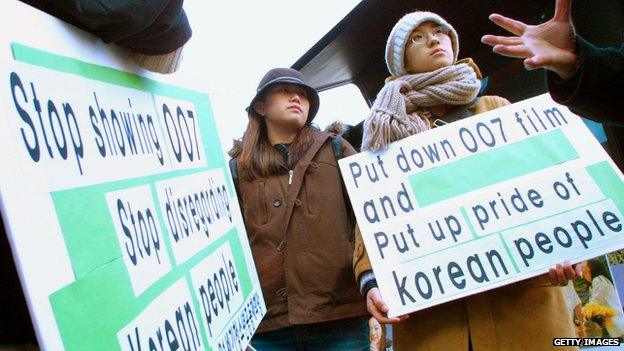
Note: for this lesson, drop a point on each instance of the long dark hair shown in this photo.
(257, 158)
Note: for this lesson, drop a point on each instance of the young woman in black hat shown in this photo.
(298, 221)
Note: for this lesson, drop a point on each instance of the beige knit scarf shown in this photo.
(400, 109)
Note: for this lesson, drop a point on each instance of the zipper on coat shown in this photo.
(290, 175)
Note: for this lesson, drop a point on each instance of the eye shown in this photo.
(417, 37)
(439, 31)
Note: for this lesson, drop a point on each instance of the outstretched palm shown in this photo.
(549, 45)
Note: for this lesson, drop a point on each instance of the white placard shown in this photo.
(483, 202)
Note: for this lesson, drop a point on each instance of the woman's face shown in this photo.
(428, 48)
(284, 106)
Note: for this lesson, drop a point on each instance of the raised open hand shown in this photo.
(550, 45)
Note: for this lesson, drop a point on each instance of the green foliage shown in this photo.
(616, 257)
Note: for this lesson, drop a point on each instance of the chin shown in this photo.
(295, 123)
(443, 62)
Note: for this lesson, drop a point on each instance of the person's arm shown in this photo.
(580, 75)
(362, 265)
(591, 92)
(155, 27)
(365, 277)
(362, 268)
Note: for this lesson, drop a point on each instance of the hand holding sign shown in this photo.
(377, 307)
(562, 273)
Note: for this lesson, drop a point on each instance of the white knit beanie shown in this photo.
(395, 47)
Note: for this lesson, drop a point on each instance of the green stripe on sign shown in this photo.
(491, 167)
(91, 310)
(609, 182)
(100, 73)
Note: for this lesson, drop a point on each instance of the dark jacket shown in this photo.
(595, 92)
(154, 27)
(302, 240)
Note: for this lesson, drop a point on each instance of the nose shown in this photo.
(295, 97)
(433, 40)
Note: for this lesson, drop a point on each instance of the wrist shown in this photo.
(571, 61)
(366, 282)
(368, 287)
(569, 69)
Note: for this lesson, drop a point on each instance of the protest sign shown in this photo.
(120, 207)
(484, 202)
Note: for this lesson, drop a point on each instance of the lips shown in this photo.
(437, 51)
(296, 107)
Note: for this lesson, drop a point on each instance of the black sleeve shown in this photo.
(595, 91)
(154, 27)
(366, 281)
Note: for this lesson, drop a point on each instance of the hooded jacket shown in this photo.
(302, 240)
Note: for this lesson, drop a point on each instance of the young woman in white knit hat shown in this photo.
(428, 87)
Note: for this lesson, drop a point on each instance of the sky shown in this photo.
(235, 43)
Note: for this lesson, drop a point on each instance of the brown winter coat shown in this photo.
(302, 240)
(523, 316)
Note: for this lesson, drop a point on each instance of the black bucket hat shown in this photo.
(286, 75)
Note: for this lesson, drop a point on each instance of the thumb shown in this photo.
(380, 303)
(578, 269)
(537, 61)
(562, 10)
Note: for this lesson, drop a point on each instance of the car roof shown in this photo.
(353, 50)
